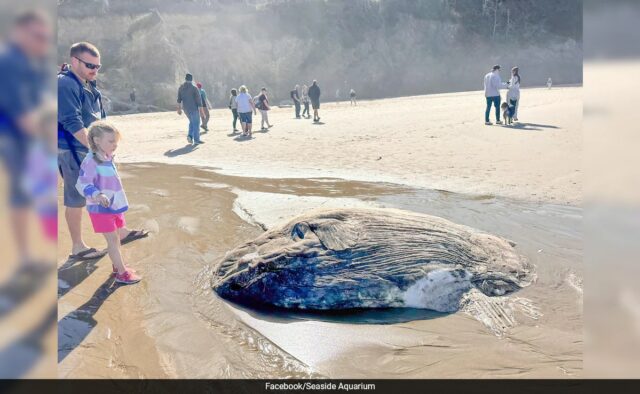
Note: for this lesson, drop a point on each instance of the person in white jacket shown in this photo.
(513, 94)
(492, 85)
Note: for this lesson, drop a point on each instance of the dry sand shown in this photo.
(435, 142)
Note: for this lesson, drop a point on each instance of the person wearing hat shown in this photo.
(190, 99)
(205, 106)
(492, 86)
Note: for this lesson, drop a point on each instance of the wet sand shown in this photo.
(173, 325)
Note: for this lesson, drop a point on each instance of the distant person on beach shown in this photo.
(189, 97)
(233, 106)
(549, 83)
(337, 96)
(263, 106)
(132, 95)
(245, 108)
(492, 86)
(513, 94)
(305, 101)
(352, 95)
(314, 96)
(205, 107)
(295, 96)
(106, 201)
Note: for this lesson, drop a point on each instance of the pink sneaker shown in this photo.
(128, 278)
(115, 270)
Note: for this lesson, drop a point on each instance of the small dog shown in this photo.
(507, 112)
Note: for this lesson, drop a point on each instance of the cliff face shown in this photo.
(380, 48)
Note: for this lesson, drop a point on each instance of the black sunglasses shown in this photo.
(90, 66)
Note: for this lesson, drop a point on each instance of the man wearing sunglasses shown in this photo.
(79, 105)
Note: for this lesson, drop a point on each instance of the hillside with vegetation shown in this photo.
(381, 48)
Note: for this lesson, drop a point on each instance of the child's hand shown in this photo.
(103, 200)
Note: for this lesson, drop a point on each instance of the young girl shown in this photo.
(100, 183)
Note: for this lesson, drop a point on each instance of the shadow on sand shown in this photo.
(22, 354)
(181, 151)
(76, 326)
(73, 272)
(531, 126)
(243, 138)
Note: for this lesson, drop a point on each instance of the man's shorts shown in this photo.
(13, 159)
(245, 117)
(315, 104)
(107, 222)
(70, 170)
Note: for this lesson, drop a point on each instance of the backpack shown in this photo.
(256, 100)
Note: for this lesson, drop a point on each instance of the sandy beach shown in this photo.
(434, 141)
(429, 154)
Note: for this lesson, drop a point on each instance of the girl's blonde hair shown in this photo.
(97, 130)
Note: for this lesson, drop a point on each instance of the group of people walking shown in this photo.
(243, 107)
(304, 96)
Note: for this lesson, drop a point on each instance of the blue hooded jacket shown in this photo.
(79, 105)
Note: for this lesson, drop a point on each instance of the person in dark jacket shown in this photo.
(314, 96)
(189, 97)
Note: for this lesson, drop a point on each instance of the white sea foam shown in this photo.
(441, 290)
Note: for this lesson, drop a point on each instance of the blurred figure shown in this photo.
(314, 95)
(549, 83)
(305, 101)
(206, 105)
(23, 83)
(233, 106)
(79, 105)
(295, 96)
(132, 95)
(27, 139)
(352, 96)
(41, 178)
